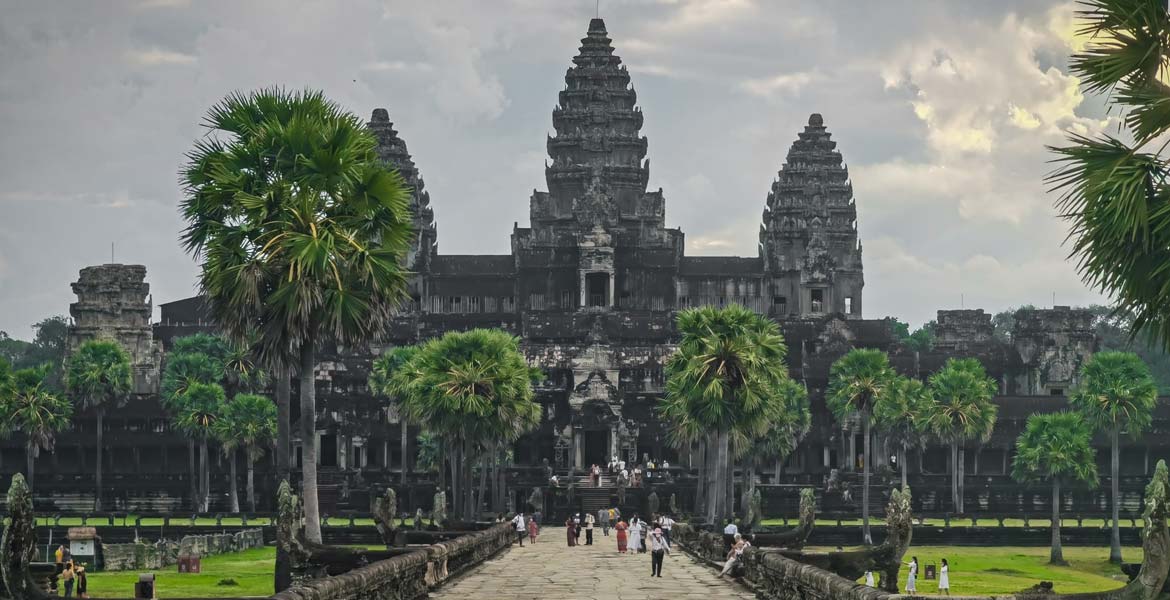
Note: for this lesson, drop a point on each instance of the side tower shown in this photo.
(392, 150)
(113, 302)
(808, 239)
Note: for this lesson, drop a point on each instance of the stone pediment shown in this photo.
(596, 387)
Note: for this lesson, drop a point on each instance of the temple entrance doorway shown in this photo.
(596, 451)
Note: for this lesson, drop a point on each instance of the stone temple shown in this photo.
(591, 286)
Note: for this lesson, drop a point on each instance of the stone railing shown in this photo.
(407, 576)
(141, 555)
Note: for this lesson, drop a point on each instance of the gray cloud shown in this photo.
(941, 110)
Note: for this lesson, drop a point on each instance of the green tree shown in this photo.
(921, 340)
(198, 410)
(383, 383)
(724, 380)
(474, 390)
(856, 382)
(28, 406)
(1116, 394)
(1114, 193)
(962, 411)
(98, 377)
(900, 413)
(300, 230)
(195, 359)
(1056, 447)
(249, 422)
(789, 422)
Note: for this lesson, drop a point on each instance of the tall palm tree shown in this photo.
(1117, 393)
(29, 407)
(300, 230)
(1056, 447)
(724, 380)
(193, 360)
(789, 422)
(382, 382)
(1114, 192)
(198, 409)
(98, 377)
(248, 421)
(856, 381)
(473, 389)
(901, 413)
(962, 410)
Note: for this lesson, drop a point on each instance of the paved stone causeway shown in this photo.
(550, 569)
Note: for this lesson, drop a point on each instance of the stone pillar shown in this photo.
(826, 456)
(578, 449)
(613, 441)
(852, 461)
(581, 283)
(610, 286)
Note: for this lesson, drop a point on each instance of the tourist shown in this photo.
(82, 582)
(620, 527)
(595, 473)
(944, 578)
(570, 534)
(730, 533)
(637, 476)
(621, 465)
(658, 550)
(589, 521)
(533, 529)
(577, 527)
(635, 534)
(666, 523)
(68, 575)
(733, 554)
(521, 527)
(869, 578)
(603, 518)
(912, 576)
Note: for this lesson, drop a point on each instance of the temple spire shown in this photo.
(392, 150)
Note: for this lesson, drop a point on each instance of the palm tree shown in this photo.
(29, 407)
(724, 380)
(962, 410)
(788, 424)
(474, 389)
(901, 413)
(1112, 191)
(192, 360)
(301, 231)
(198, 409)
(382, 382)
(856, 381)
(1056, 447)
(249, 422)
(98, 377)
(1117, 393)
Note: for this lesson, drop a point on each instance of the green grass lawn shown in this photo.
(251, 569)
(1002, 570)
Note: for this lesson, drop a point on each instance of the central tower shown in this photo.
(596, 235)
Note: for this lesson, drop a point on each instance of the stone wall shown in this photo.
(141, 555)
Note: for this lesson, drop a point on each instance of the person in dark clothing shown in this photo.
(658, 550)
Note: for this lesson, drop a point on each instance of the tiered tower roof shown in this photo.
(812, 185)
(392, 150)
(597, 123)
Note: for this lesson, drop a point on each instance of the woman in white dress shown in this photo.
(635, 535)
(869, 578)
(912, 576)
(944, 578)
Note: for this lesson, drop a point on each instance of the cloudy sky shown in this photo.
(941, 109)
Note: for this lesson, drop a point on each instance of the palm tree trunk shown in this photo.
(902, 463)
(482, 486)
(1114, 475)
(30, 458)
(701, 485)
(867, 539)
(97, 497)
(283, 406)
(251, 481)
(468, 481)
(1056, 556)
(193, 475)
(309, 441)
(233, 488)
(962, 480)
(955, 476)
(724, 479)
(204, 477)
(455, 487)
(405, 459)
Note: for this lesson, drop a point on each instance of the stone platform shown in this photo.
(550, 569)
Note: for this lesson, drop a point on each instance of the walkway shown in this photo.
(551, 569)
